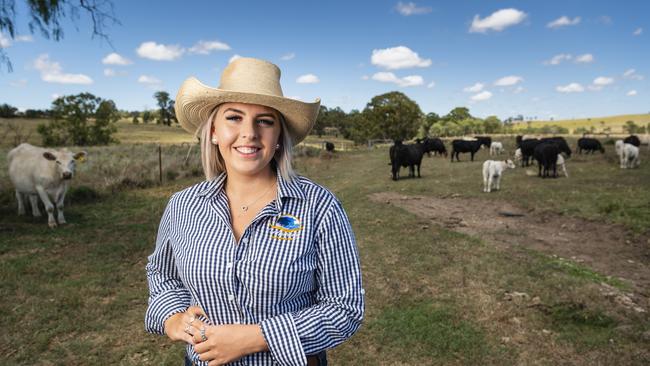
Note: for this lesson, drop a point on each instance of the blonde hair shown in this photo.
(213, 163)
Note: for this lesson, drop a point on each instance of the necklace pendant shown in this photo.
(244, 208)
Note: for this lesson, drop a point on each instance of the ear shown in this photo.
(80, 156)
(49, 156)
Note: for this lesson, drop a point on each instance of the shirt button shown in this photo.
(244, 240)
(231, 297)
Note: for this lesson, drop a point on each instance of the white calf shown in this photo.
(496, 148)
(45, 173)
(618, 146)
(492, 172)
(562, 165)
(630, 157)
(518, 155)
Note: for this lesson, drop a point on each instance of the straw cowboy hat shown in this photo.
(244, 80)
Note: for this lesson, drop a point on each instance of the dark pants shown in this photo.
(321, 357)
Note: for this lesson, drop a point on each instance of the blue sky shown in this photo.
(560, 59)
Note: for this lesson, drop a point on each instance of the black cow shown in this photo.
(561, 144)
(518, 140)
(527, 149)
(632, 139)
(590, 145)
(434, 144)
(546, 155)
(484, 140)
(329, 146)
(463, 146)
(406, 156)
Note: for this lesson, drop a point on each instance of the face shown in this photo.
(247, 135)
(65, 161)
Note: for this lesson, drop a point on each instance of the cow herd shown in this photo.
(548, 152)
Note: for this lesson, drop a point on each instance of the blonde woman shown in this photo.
(255, 265)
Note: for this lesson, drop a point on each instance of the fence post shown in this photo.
(160, 163)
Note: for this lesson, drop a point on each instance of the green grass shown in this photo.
(615, 123)
(77, 294)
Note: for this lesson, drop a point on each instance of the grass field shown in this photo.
(435, 295)
(615, 123)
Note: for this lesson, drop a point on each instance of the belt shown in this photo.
(312, 361)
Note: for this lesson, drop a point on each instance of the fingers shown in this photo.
(196, 311)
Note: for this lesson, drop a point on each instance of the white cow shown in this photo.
(496, 148)
(518, 155)
(561, 164)
(45, 173)
(630, 157)
(492, 173)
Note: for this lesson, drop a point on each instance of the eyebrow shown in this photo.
(259, 115)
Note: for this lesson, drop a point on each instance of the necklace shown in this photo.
(246, 206)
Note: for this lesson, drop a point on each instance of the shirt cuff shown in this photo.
(163, 307)
(282, 338)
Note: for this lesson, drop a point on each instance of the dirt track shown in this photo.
(606, 248)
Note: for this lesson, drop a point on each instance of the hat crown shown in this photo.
(251, 75)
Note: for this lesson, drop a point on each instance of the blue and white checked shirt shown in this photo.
(295, 270)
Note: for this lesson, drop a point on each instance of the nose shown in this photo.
(248, 130)
(67, 175)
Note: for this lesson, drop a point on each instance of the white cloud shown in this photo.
(233, 58)
(638, 31)
(5, 42)
(631, 74)
(115, 59)
(307, 79)
(497, 21)
(149, 80)
(519, 89)
(52, 72)
(407, 9)
(484, 95)
(508, 80)
(288, 56)
(400, 57)
(557, 59)
(206, 47)
(159, 52)
(389, 77)
(431, 84)
(587, 58)
(631, 93)
(603, 81)
(24, 38)
(474, 88)
(109, 72)
(563, 21)
(570, 88)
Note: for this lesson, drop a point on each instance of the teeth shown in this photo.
(246, 150)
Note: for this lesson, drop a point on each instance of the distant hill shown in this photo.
(615, 123)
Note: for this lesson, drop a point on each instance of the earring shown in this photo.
(214, 141)
(277, 147)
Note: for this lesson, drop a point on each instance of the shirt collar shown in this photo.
(286, 188)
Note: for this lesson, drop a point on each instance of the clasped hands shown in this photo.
(218, 344)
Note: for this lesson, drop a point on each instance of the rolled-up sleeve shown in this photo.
(167, 294)
(338, 313)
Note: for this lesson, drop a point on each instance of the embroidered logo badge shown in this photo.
(287, 225)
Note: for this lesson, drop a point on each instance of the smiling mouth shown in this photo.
(247, 149)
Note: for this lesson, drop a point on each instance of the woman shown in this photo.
(255, 265)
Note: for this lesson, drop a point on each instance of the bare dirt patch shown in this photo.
(606, 248)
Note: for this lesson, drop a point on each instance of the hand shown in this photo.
(186, 326)
(230, 342)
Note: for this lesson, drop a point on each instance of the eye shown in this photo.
(233, 118)
(266, 122)
(58, 162)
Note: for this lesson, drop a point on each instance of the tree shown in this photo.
(162, 98)
(458, 114)
(330, 118)
(73, 115)
(492, 124)
(7, 111)
(146, 116)
(630, 127)
(134, 116)
(46, 17)
(391, 116)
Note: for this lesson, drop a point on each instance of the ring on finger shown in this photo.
(192, 319)
(187, 329)
(203, 337)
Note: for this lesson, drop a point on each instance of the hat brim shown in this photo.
(195, 101)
